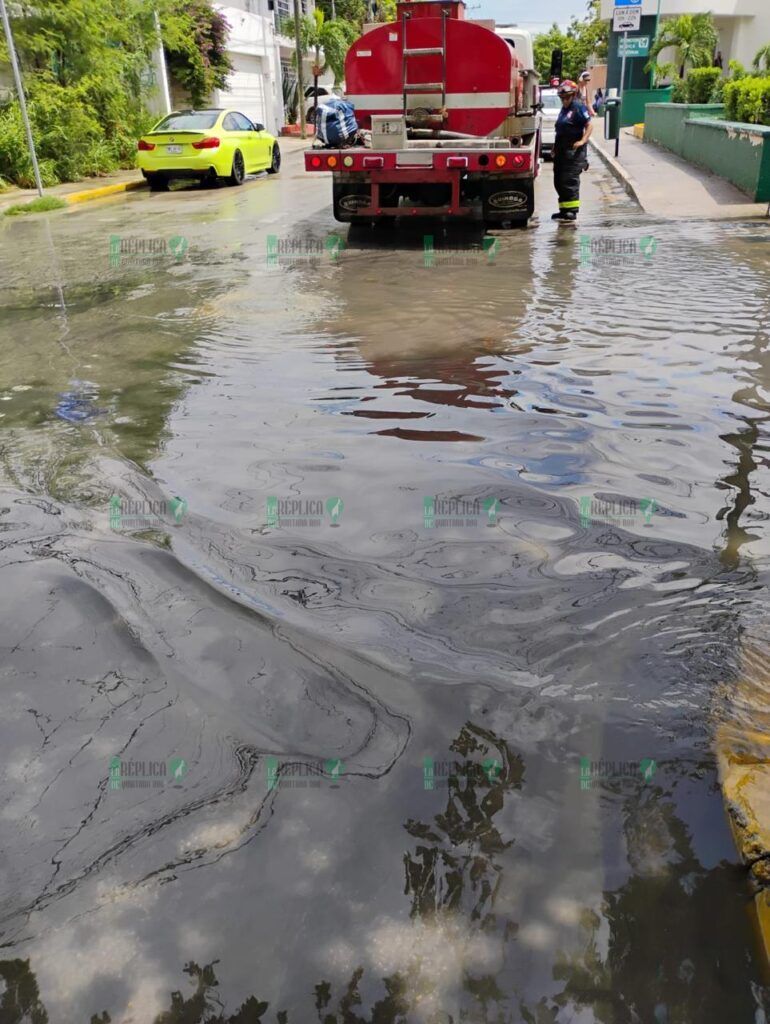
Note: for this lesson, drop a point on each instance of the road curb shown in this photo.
(743, 756)
(116, 188)
(618, 172)
(104, 190)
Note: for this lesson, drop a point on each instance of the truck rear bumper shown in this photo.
(367, 180)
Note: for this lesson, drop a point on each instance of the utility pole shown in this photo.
(162, 64)
(300, 75)
(20, 91)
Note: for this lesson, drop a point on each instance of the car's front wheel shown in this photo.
(275, 163)
(238, 173)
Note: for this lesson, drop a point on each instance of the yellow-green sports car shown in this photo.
(206, 144)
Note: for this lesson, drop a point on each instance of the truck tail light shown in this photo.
(145, 147)
(210, 142)
(500, 161)
(315, 161)
(348, 161)
(331, 161)
(521, 160)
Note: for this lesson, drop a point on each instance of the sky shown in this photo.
(535, 16)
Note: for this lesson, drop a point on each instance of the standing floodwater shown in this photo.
(370, 602)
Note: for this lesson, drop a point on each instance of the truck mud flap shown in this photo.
(508, 199)
(349, 199)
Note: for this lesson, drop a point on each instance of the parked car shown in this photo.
(324, 95)
(210, 145)
(551, 107)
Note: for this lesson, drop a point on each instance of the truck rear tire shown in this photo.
(347, 198)
(511, 199)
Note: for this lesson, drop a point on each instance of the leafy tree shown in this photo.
(85, 66)
(583, 39)
(87, 72)
(332, 37)
(694, 38)
(351, 11)
(195, 40)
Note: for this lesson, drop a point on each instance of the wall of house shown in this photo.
(255, 85)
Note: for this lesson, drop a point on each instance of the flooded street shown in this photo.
(370, 602)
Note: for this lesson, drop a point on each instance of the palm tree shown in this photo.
(761, 57)
(692, 35)
(330, 41)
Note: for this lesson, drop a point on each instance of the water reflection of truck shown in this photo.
(452, 106)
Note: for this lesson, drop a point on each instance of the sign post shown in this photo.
(626, 16)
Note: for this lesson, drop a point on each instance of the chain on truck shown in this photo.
(453, 110)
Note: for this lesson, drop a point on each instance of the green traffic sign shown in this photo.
(634, 46)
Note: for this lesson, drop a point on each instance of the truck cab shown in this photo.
(520, 41)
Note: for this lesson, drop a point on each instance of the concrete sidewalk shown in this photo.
(666, 186)
(114, 184)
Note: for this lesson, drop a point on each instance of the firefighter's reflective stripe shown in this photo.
(568, 165)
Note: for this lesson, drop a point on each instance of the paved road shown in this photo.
(367, 606)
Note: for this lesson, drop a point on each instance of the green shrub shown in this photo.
(15, 162)
(700, 83)
(678, 91)
(748, 100)
(79, 132)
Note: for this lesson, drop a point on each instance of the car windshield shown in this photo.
(550, 101)
(192, 119)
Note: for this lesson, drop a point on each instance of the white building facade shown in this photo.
(261, 57)
(743, 25)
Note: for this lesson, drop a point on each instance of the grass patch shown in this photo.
(40, 205)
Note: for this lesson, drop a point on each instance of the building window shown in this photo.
(285, 9)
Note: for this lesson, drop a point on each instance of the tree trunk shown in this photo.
(300, 71)
(315, 81)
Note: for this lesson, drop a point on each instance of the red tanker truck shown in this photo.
(452, 108)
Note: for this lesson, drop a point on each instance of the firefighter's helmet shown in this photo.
(567, 87)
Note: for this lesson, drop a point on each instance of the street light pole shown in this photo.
(22, 99)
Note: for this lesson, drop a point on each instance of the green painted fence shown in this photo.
(635, 100)
(738, 152)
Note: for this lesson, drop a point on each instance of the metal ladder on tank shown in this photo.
(423, 51)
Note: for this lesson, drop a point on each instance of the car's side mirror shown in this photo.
(259, 127)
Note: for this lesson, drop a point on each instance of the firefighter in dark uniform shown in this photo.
(573, 130)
